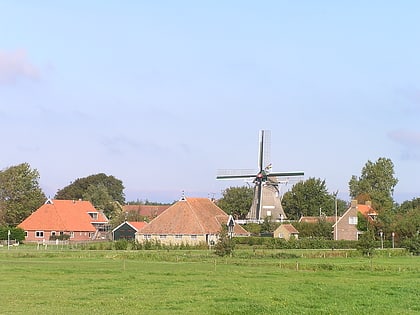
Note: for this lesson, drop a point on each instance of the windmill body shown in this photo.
(266, 202)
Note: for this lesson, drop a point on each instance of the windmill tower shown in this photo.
(266, 201)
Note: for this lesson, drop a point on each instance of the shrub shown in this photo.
(15, 233)
(302, 243)
(121, 244)
(136, 245)
(321, 229)
(225, 245)
(253, 228)
(413, 245)
(366, 243)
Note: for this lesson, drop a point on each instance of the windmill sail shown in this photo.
(266, 202)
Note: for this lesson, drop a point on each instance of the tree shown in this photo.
(20, 194)
(366, 243)
(309, 198)
(15, 233)
(362, 222)
(413, 245)
(409, 205)
(320, 229)
(376, 183)
(100, 198)
(268, 226)
(225, 245)
(80, 186)
(236, 201)
(406, 223)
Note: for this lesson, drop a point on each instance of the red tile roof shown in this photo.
(137, 225)
(63, 215)
(290, 228)
(148, 211)
(191, 216)
(366, 210)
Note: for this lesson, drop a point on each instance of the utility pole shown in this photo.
(336, 216)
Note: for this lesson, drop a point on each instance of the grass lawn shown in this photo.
(198, 282)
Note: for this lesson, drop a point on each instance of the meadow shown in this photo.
(73, 281)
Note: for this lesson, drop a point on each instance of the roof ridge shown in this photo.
(58, 214)
(197, 217)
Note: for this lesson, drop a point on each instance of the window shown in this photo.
(93, 215)
(52, 233)
(353, 220)
(39, 234)
(71, 234)
(147, 236)
(162, 236)
(178, 236)
(26, 233)
(193, 237)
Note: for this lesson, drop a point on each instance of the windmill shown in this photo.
(265, 182)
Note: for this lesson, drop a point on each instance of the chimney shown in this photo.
(368, 203)
(354, 203)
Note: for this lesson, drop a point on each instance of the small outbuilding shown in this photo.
(286, 231)
(127, 230)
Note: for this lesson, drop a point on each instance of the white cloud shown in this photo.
(14, 65)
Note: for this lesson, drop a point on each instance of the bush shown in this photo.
(302, 243)
(413, 245)
(253, 228)
(225, 245)
(121, 244)
(321, 229)
(367, 243)
(15, 233)
(136, 245)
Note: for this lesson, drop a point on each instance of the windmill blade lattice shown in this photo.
(261, 177)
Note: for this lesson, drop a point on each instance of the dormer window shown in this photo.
(93, 215)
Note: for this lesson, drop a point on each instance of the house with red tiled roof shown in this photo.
(286, 231)
(77, 218)
(127, 230)
(367, 211)
(346, 226)
(147, 211)
(190, 221)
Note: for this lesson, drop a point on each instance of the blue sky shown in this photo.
(161, 94)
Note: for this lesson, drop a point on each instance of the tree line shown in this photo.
(312, 198)
(21, 194)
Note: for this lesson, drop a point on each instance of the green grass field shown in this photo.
(57, 281)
